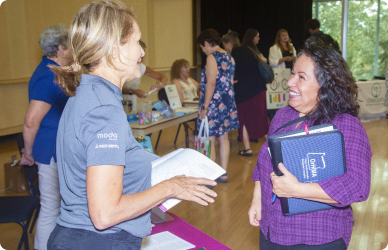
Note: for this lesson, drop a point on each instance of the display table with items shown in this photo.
(191, 103)
(147, 121)
(371, 96)
(142, 130)
(277, 91)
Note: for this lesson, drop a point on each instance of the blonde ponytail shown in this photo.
(95, 30)
(67, 77)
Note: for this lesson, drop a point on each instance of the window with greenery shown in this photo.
(367, 36)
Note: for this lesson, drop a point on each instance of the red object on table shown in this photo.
(189, 233)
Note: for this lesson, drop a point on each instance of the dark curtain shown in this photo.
(267, 16)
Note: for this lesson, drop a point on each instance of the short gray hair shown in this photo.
(53, 36)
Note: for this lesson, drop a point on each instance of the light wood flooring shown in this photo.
(226, 220)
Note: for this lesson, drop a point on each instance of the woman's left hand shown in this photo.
(203, 114)
(262, 58)
(286, 185)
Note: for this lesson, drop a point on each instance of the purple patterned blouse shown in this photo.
(325, 226)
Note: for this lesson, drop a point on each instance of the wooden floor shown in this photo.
(227, 221)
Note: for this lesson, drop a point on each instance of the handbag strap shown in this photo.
(255, 54)
(206, 132)
(291, 122)
(204, 126)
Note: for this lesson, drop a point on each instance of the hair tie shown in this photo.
(75, 67)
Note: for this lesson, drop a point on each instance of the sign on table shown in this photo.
(371, 96)
(277, 91)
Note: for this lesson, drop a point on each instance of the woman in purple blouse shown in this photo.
(323, 90)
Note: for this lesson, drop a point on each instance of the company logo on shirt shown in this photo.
(111, 136)
(311, 164)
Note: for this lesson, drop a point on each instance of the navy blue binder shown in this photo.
(310, 158)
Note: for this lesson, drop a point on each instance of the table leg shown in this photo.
(187, 136)
(157, 141)
(177, 133)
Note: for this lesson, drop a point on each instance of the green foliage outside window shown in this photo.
(361, 44)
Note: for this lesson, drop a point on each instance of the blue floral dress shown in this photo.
(222, 114)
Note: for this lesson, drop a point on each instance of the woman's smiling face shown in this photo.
(132, 54)
(303, 86)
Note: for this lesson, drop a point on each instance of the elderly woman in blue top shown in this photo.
(104, 174)
(47, 101)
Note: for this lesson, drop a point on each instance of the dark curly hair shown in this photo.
(338, 89)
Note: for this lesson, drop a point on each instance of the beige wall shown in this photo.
(166, 26)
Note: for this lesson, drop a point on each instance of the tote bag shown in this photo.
(202, 143)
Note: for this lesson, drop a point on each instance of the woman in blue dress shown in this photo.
(217, 95)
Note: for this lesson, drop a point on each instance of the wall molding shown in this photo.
(19, 80)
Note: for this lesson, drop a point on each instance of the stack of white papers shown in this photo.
(165, 241)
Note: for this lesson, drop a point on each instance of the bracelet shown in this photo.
(203, 107)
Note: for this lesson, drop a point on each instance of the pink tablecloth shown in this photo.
(189, 233)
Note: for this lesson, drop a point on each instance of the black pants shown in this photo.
(63, 238)
(267, 244)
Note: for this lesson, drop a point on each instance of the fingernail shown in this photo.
(214, 183)
(212, 201)
(215, 194)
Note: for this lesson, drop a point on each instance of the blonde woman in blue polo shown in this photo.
(104, 174)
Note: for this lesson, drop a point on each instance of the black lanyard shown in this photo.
(291, 122)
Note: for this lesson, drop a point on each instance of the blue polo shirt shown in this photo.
(42, 88)
(93, 130)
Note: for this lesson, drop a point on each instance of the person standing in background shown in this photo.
(47, 101)
(313, 26)
(217, 96)
(282, 55)
(230, 41)
(132, 87)
(250, 40)
(250, 90)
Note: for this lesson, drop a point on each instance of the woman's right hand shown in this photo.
(27, 159)
(254, 213)
(203, 114)
(140, 93)
(192, 189)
